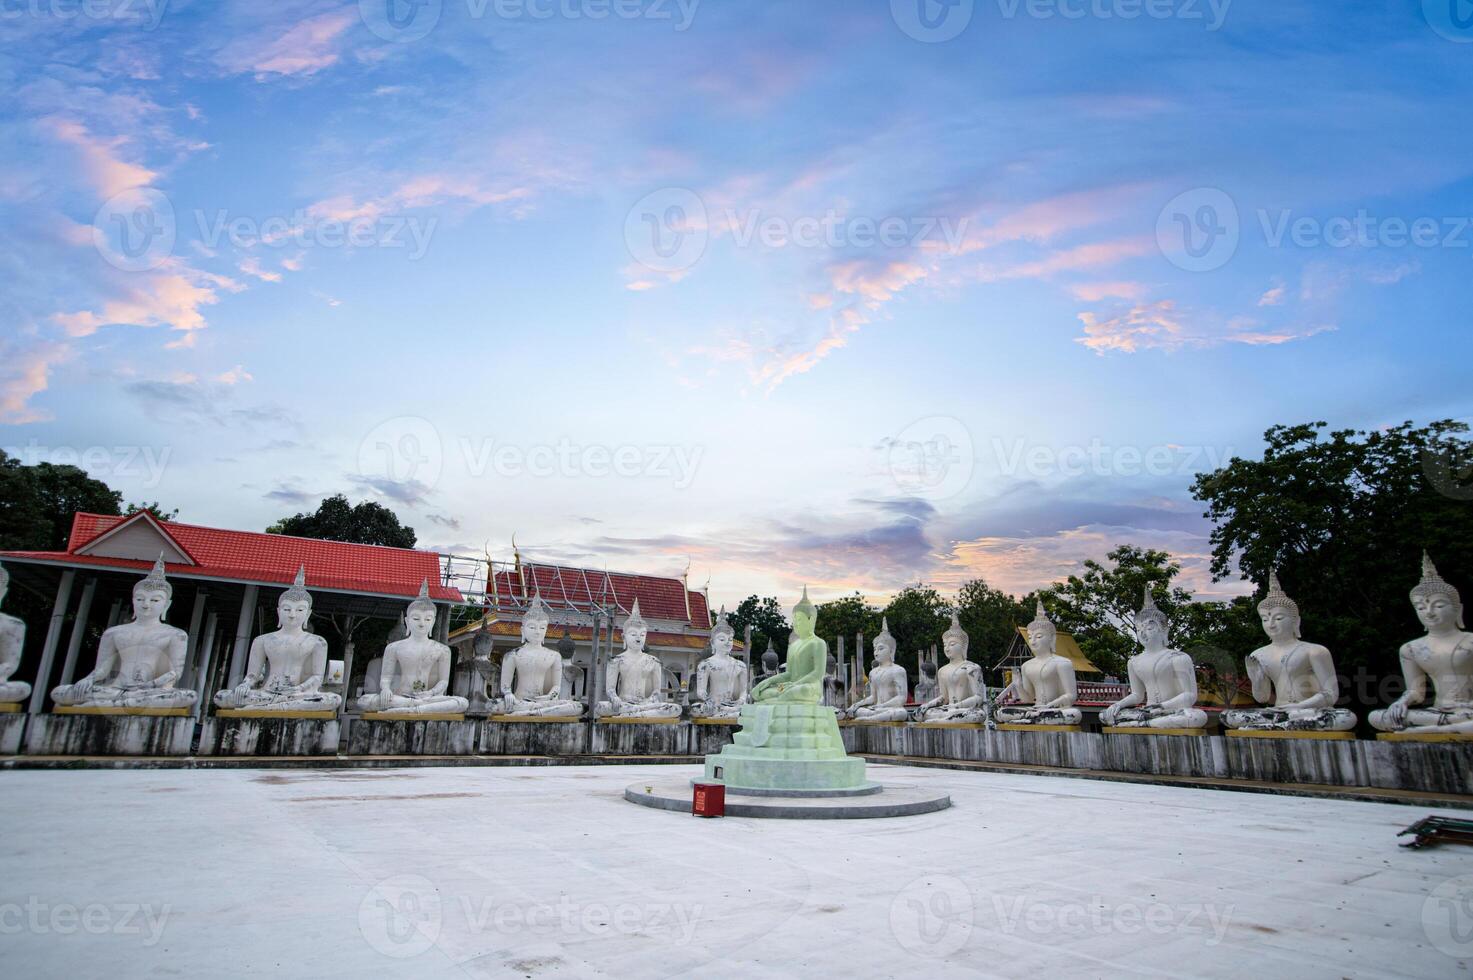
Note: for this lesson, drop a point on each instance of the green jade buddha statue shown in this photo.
(789, 740)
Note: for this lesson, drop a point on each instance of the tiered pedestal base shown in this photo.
(1195, 732)
(110, 731)
(786, 747)
(242, 731)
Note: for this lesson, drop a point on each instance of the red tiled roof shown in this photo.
(564, 587)
(269, 559)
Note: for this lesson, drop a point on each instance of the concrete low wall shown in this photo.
(108, 735)
(414, 737)
(12, 727)
(268, 736)
(1442, 767)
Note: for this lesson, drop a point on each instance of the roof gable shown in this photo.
(138, 537)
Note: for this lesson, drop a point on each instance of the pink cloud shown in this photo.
(305, 48)
(1072, 259)
(25, 371)
(1093, 292)
(105, 168)
(1150, 325)
(173, 295)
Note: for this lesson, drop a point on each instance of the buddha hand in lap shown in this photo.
(721, 679)
(285, 669)
(1046, 679)
(635, 681)
(888, 684)
(416, 669)
(138, 663)
(1444, 656)
(960, 697)
(12, 642)
(1297, 678)
(1163, 682)
(532, 675)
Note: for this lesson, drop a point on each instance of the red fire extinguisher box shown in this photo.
(708, 800)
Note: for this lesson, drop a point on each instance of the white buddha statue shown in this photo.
(1444, 655)
(721, 679)
(532, 675)
(635, 680)
(960, 696)
(1297, 678)
(1046, 679)
(138, 663)
(888, 684)
(1163, 681)
(12, 643)
(285, 668)
(416, 670)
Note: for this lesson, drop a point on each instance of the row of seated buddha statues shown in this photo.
(139, 664)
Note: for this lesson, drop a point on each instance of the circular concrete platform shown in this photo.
(887, 801)
(868, 789)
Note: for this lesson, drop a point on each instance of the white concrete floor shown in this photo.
(547, 872)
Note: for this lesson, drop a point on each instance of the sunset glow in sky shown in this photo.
(851, 293)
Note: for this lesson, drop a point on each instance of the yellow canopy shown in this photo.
(1066, 647)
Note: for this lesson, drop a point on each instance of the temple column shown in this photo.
(115, 613)
(244, 622)
(53, 637)
(207, 662)
(79, 630)
(196, 615)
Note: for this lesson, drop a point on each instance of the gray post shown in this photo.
(53, 637)
(191, 650)
(243, 625)
(207, 663)
(79, 629)
(841, 675)
(595, 685)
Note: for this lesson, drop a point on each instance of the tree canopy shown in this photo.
(337, 520)
(37, 503)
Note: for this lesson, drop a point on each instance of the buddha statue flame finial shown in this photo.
(155, 581)
(537, 611)
(298, 592)
(1433, 584)
(884, 633)
(635, 620)
(423, 600)
(805, 606)
(1041, 620)
(722, 626)
(1276, 598)
(955, 631)
(1149, 611)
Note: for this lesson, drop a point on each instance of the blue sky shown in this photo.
(847, 293)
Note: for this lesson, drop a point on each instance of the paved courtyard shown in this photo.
(548, 872)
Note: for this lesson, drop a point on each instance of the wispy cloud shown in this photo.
(25, 371)
(300, 48)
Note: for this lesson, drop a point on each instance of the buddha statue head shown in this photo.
(954, 641)
(928, 670)
(722, 635)
(1436, 601)
(805, 616)
(1043, 635)
(419, 618)
(535, 620)
(884, 644)
(1279, 613)
(152, 594)
(636, 630)
(294, 607)
(1151, 625)
(770, 659)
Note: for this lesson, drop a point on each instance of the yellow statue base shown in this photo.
(1272, 733)
(438, 716)
(534, 720)
(326, 715)
(975, 725)
(1194, 732)
(638, 721)
(1039, 728)
(10, 707)
(729, 722)
(861, 723)
(1424, 737)
(73, 709)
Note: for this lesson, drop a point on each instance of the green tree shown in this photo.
(918, 616)
(1344, 516)
(337, 520)
(991, 618)
(155, 508)
(768, 622)
(845, 617)
(37, 503)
